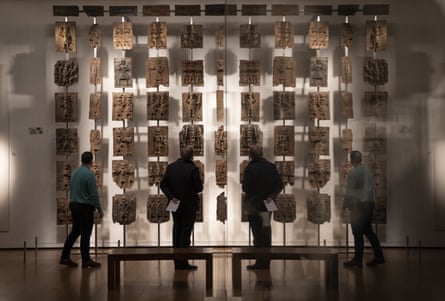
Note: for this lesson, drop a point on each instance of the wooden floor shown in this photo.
(37, 276)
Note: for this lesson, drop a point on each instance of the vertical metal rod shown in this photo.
(284, 234)
(124, 239)
(159, 235)
(118, 243)
(35, 247)
(318, 235)
(95, 240)
(347, 238)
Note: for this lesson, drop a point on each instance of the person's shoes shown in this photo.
(375, 261)
(352, 264)
(90, 264)
(186, 267)
(68, 262)
(257, 267)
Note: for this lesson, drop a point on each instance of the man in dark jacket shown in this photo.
(359, 199)
(182, 183)
(261, 183)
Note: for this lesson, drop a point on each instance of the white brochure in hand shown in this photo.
(270, 205)
(173, 206)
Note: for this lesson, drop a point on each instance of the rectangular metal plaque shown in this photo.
(376, 9)
(318, 10)
(187, 10)
(285, 10)
(220, 10)
(123, 10)
(253, 10)
(65, 10)
(156, 10)
(94, 10)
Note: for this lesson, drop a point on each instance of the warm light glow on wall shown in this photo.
(4, 185)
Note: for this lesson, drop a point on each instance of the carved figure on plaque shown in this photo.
(221, 141)
(67, 141)
(221, 173)
(283, 105)
(250, 135)
(250, 106)
(284, 140)
(379, 215)
(123, 173)
(67, 107)
(378, 170)
(63, 211)
(192, 73)
(319, 105)
(249, 72)
(242, 167)
(375, 104)
(124, 209)
(221, 208)
(123, 73)
(95, 111)
(318, 35)
(347, 109)
(95, 36)
(345, 169)
(65, 35)
(95, 71)
(319, 140)
(284, 37)
(123, 35)
(346, 35)
(192, 106)
(287, 209)
(156, 209)
(123, 142)
(157, 105)
(66, 73)
(122, 106)
(346, 69)
(219, 37)
(220, 72)
(201, 168)
(63, 174)
(157, 35)
(157, 72)
(286, 169)
(249, 36)
(219, 106)
(193, 135)
(346, 140)
(318, 208)
(319, 72)
(157, 141)
(191, 36)
(319, 173)
(376, 35)
(156, 170)
(95, 141)
(376, 72)
(97, 170)
(199, 215)
(284, 71)
(375, 140)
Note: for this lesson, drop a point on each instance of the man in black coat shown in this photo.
(182, 183)
(261, 183)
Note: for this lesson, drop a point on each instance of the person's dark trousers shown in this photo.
(361, 219)
(182, 231)
(83, 220)
(262, 234)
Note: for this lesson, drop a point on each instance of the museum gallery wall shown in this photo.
(138, 83)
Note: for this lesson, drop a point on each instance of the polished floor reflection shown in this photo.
(405, 276)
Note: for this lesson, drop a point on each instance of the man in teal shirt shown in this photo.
(359, 199)
(84, 200)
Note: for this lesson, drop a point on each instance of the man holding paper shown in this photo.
(181, 184)
(262, 184)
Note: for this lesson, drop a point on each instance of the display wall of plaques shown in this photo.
(95, 66)
(123, 173)
(67, 141)
(157, 141)
(284, 37)
(284, 71)
(319, 140)
(193, 72)
(347, 108)
(156, 171)
(319, 105)
(284, 141)
(221, 141)
(123, 35)
(286, 169)
(283, 105)
(123, 142)
(376, 35)
(123, 72)
(375, 104)
(192, 106)
(319, 173)
(250, 135)
(95, 111)
(346, 35)
(249, 36)
(287, 209)
(63, 212)
(318, 208)
(249, 72)
(250, 106)
(157, 35)
(122, 106)
(63, 174)
(191, 36)
(318, 71)
(221, 207)
(67, 107)
(157, 209)
(318, 35)
(95, 36)
(376, 71)
(157, 72)
(157, 105)
(66, 73)
(192, 135)
(95, 141)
